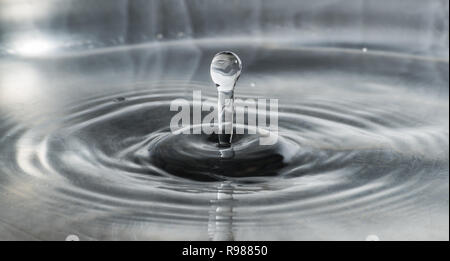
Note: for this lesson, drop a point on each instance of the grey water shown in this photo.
(362, 151)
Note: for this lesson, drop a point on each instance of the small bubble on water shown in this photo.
(72, 238)
(252, 84)
(372, 238)
(119, 99)
(364, 50)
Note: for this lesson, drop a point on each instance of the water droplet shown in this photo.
(225, 71)
(364, 50)
(252, 84)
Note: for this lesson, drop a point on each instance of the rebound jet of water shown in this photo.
(225, 71)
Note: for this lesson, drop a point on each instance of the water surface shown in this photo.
(86, 149)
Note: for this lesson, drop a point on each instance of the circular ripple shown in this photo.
(131, 139)
(114, 160)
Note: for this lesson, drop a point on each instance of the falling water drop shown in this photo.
(225, 71)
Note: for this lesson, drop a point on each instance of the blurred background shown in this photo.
(50, 27)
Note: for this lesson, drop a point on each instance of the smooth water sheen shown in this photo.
(363, 146)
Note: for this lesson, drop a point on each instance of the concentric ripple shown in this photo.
(348, 154)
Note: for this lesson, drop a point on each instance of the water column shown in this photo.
(225, 71)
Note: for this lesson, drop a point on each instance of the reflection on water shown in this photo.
(220, 225)
(86, 148)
